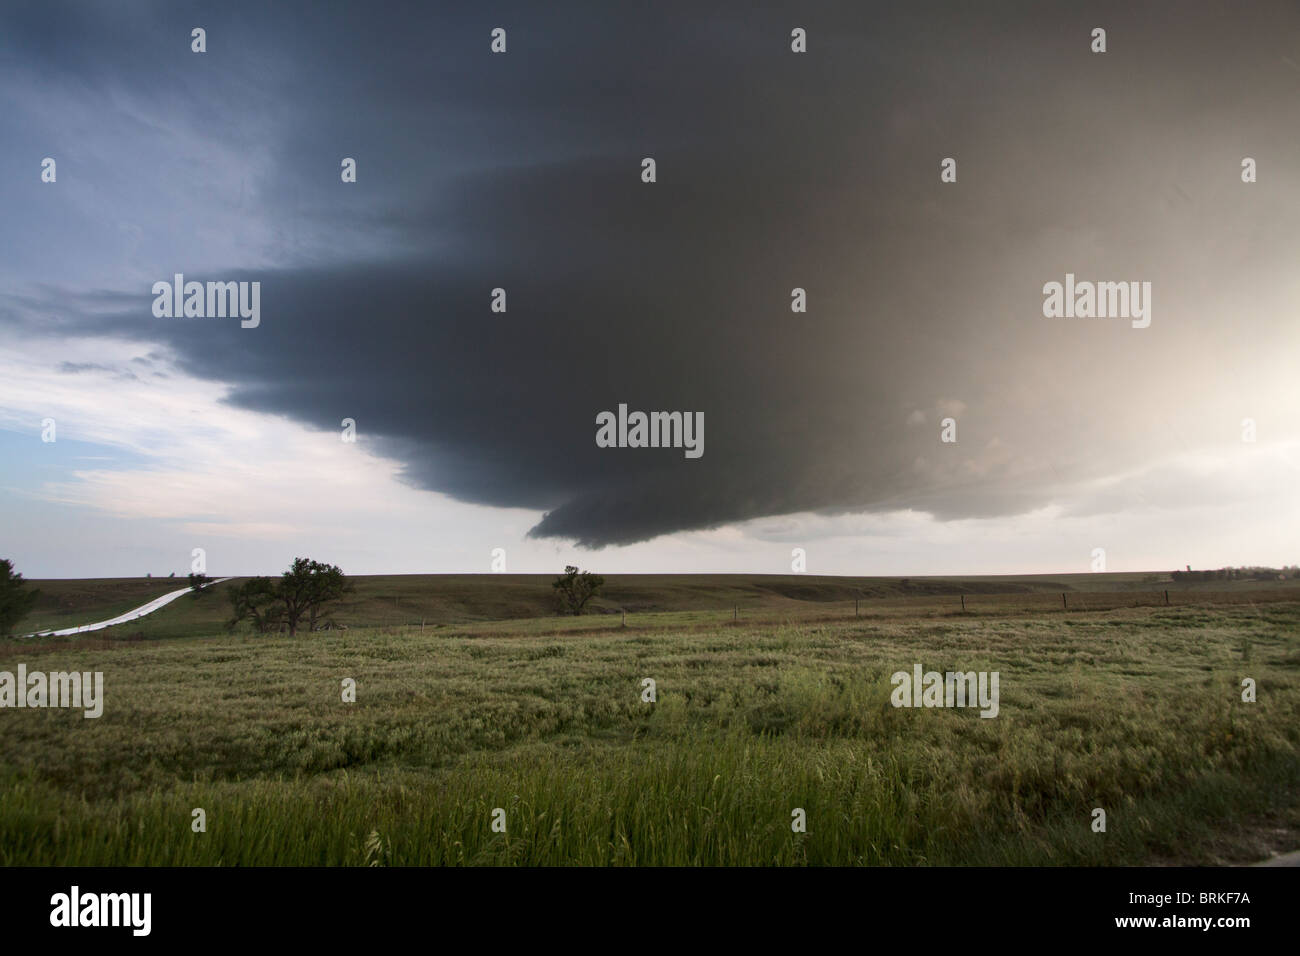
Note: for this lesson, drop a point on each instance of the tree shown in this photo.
(575, 589)
(298, 597)
(197, 582)
(15, 601)
(256, 600)
(306, 587)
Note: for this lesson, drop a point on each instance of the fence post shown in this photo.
(1166, 596)
(855, 607)
(963, 602)
(625, 617)
(1063, 604)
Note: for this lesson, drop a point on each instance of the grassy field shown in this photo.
(68, 603)
(458, 599)
(1136, 710)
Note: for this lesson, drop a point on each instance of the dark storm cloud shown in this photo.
(775, 171)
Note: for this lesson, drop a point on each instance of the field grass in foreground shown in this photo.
(1137, 711)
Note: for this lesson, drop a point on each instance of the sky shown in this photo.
(1166, 445)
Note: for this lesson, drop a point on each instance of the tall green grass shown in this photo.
(1137, 712)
